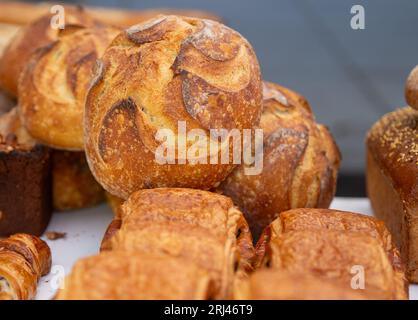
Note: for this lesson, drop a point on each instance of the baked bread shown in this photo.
(328, 244)
(275, 284)
(203, 228)
(73, 185)
(119, 275)
(53, 85)
(411, 89)
(181, 71)
(300, 163)
(392, 180)
(29, 39)
(23, 260)
(7, 31)
(25, 177)
(6, 103)
(115, 204)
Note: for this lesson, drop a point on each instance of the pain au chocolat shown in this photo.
(202, 228)
(155, 76)
(54, 83)
(300, 163)
(335, 245)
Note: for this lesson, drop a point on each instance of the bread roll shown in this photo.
(411, 89)
(53, 85)
(179, 69)
(73, 185)
(329, 244)
(29, 39)
(300, 163)
(392, 180)
(119, 275)
(202, 228)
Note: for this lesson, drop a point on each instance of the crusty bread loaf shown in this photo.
(328, 244)
(196, 71)
(119, 275)
(203, 228)
(53, 85)
(28, 40)
(411, 89)
(392, 180)
(73, 185)
(300, 164)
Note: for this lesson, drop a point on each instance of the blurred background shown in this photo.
(350, 77)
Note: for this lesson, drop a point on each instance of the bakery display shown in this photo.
(53, 85)
(202, 228)
(23, 260)
(411, 89)
(37, 34)
(119, 275)
(300, 163)
(73, 185)
(392, 180)
(25, 180)
(188, 71)
(328, 244)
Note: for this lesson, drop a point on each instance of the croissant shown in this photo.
(120, 275)
(300, 163)
(29, 39)
(54, 83)
(329, 243)
(23, 260)
(411, 89)
(181, 71)
(202, 228)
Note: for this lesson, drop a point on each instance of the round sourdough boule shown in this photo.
(28, 39)
(300, 162)
(155, 74)
(54, 84)
(411, 89)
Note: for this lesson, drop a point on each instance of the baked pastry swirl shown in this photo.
(180, 70)
(29, 39)
(202, 228)
(300, 163)
(54, 83)
(328, 244)
(23, 260)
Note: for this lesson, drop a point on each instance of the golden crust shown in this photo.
(273, 284)
(54, 83)
(300, 163)
(202, 228)
(28, 40)
(392, 180)
(73, 185)
(328, 243)
(23, 260)
(119, 275)
(411, 89)
(180, 69)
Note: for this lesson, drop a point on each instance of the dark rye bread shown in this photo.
(392, 180)
(25, 187)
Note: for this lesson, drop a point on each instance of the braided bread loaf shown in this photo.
(300, 162)
(23, 260)
(179, 69)
(30, 38)
(53, 85)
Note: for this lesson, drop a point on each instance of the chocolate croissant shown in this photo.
(202, 228)
(328, 244)
(23, 260)
(183, 73)
(124, 275)
(300, 163)
(411, 89)
(54, 83)
(29, 39)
